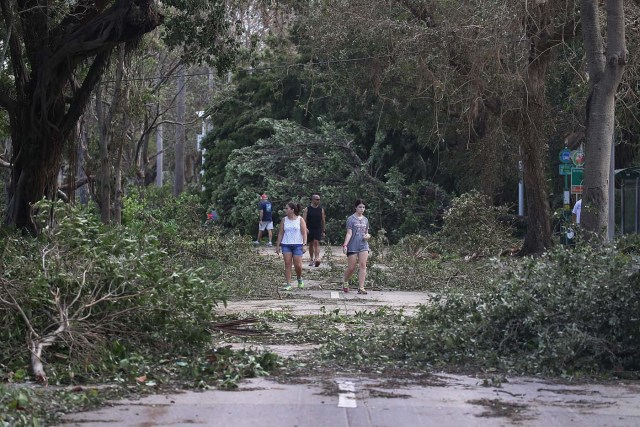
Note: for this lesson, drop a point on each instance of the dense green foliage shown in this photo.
(439, 261)
(294, 162)
(568, 312)
(571, 312)
(110, 282)
(471, 226)
(132, 305)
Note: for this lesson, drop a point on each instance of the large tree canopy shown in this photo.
(57, 52)
(294, 162)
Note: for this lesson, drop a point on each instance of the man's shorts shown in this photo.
(296, 250)
(314, 234)
(265, 225)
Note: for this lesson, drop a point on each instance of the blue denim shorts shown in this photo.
(296, 250)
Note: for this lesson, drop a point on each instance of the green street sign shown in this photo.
(564, 169)
(577, 175)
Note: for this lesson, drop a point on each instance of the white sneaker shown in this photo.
(256, 243)
(269, 244)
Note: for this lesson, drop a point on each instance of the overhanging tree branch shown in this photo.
(81, 96)
(15, 49)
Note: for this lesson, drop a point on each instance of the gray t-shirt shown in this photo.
(359, 227)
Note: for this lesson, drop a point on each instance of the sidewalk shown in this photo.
(307, 301)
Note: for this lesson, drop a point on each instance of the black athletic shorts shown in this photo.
(314, 234)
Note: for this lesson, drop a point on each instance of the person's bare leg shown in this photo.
(270, 235)
(316, 249)
(311, 252)
(297, 265)
(362, 271)
(352, 261)
(288, 259)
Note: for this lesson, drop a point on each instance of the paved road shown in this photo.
(446, 401)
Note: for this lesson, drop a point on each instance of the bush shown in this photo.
(294, 162)
(223, 256)
(569, 311)
(421, 262)
(81, 284)
(471, 226)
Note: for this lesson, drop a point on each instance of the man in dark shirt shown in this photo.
(315, 220)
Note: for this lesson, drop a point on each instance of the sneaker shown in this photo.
(317, 263)
(362, 292)
(311, 264)
(269, 244)
(300, 284)
(256, 243)
(286, 287)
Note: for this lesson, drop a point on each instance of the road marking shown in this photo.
(335, 295)
(347, 395)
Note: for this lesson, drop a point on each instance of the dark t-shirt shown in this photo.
(265, 207)
(314, 218)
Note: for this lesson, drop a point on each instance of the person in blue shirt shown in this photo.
(266, 219)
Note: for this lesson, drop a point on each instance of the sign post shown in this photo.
(566, 233)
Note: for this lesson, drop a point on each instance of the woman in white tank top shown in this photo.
(292, 240)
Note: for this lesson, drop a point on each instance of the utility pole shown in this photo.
(178, 186)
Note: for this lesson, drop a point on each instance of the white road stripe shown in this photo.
(347, 395)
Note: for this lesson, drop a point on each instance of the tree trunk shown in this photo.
(117, 195)
(35, 171)
(178, 186)
(605, 65)
(106, 127)
(118, 191)
(82, 192)
(543, 36)
(141, 156)
(105, 167)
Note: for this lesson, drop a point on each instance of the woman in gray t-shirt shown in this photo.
(356, 247)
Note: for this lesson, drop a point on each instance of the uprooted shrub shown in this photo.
(570, 312)
(438, 261)
(566, 312)
(80, 284)
(471, 226)
(223, 255)
(420, 263)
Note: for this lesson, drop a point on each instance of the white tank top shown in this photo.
(292, 233)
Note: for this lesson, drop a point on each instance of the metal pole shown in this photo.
(159, 156)
(622, 197)
(636, 212)
(520, 189)
(611, 225)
